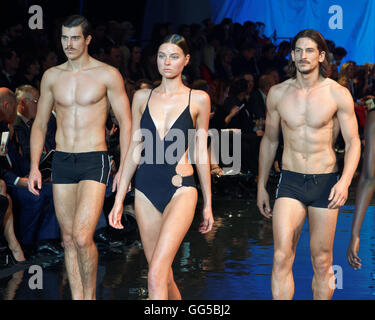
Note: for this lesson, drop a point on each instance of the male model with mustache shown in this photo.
(81, 90)
(311, 109)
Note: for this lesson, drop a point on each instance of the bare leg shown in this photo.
(322, 224)
(161, 237)
(10, 237)
(90, 198)
(288, 220)
(64, 196)
(8, 225)
(366, 184)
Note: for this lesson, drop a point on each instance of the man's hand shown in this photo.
(338, 195)
(263, 203)
(35, 178)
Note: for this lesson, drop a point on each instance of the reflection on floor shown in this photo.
(234, 261)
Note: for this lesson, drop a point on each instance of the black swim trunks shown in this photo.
(311, 189)
(71, 168)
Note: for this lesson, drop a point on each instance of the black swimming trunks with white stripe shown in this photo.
(311, 189)
(71, 168)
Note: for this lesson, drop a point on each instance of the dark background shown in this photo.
(54, 10)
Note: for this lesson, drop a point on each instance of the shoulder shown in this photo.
(277, 92)
(340, 94)
(141, 95)
(51, 73)
(201, 99)
(336, 88)
(106, 72)
(279, 89)
(140, 98)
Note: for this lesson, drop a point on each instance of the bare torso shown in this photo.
(309, 126)
(80, 99)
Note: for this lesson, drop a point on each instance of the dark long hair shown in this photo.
(324, 67)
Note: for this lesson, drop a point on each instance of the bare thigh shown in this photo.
(177, 219)
(322, 224)
(287, 221)
(156, 228)
(65, 199)
(149, 221)
(90, 199)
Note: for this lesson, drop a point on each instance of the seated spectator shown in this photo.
(281, 61)
(34, 217)
(218, 92)
(339, 53)
(27, 100)
(149, 63)
(115, 59)
(10, 64)
(346, 77)
(47, 60)
(257, 102)
(223, 64)
(268, 58)
(245, 62)
(135, 69)
(334, 72)
(239, 116)
(29, 72)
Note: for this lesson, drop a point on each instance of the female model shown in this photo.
(165, 195)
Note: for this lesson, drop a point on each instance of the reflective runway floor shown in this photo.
(234, 261)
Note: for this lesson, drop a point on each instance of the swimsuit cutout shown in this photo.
(154, 179)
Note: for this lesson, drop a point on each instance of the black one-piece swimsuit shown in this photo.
(154, 179)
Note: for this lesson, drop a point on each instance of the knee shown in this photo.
(321, 262)
(282, 259)
(82, 240)
(68, 241)
(156, 277)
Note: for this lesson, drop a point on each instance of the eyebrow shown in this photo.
(305, 48)
(170, 53)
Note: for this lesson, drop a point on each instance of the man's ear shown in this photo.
(322, 56)
(88, 39)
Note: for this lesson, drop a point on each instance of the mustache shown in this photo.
(304, 61)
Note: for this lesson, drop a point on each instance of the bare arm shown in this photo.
(131, 160)
(39, 129)
(268, 148)
(202, 159)
(349, 130)
(119, 102)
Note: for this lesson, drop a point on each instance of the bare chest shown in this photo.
(78, 89)
(314, 110)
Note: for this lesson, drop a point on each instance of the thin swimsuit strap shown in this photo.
(149, 96)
